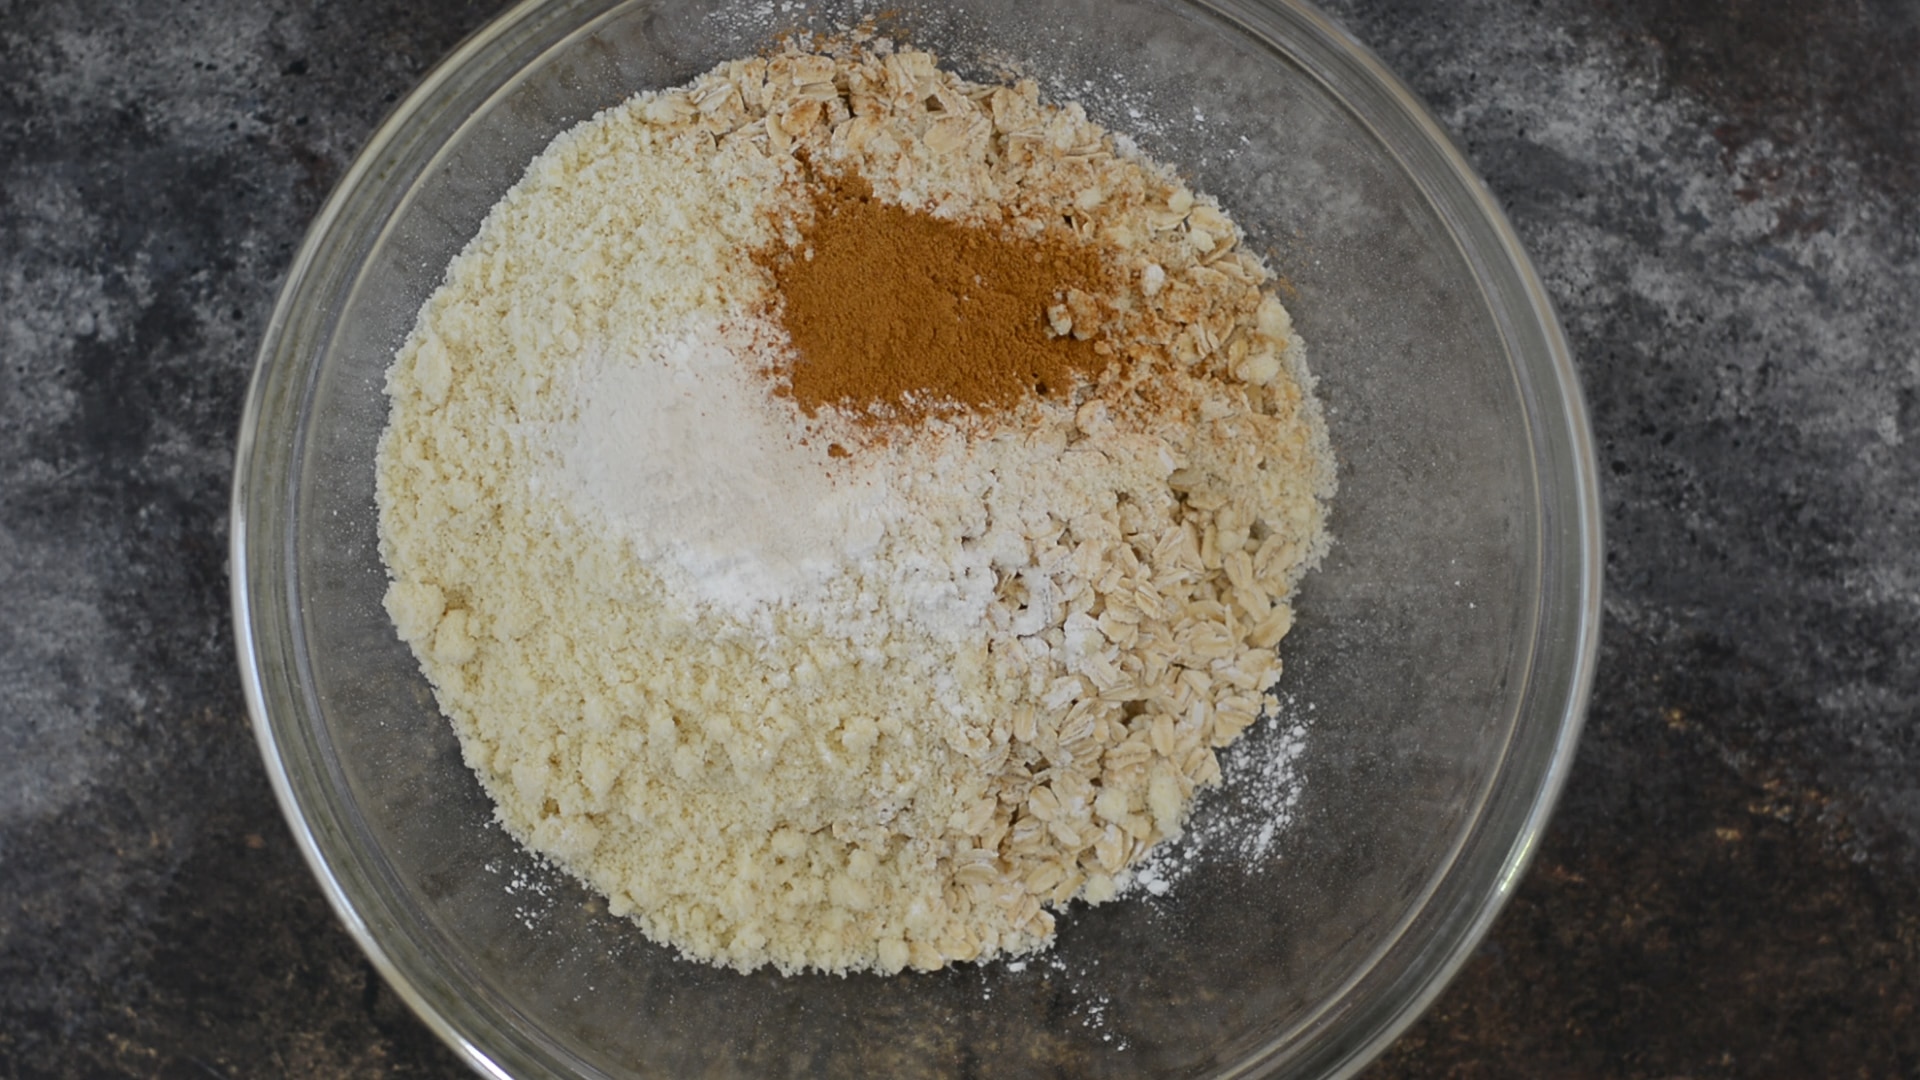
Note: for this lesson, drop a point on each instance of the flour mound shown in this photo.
(788, 688)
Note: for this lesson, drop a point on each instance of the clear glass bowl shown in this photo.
(1443, 654)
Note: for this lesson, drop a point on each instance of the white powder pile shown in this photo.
(786, 703)
(679, 452)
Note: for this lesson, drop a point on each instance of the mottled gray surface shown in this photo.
(1723, 197)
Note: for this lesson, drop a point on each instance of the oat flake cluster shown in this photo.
(788, 687)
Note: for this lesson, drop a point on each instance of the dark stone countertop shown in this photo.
(1723, 197)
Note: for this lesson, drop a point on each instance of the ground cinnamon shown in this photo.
(895, 313)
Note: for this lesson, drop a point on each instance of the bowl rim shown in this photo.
(1583, 524)
(1573, 611)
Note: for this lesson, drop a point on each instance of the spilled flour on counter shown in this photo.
(843, 508)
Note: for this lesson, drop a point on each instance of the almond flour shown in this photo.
(824, 683)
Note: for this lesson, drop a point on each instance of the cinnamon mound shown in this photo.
(895, 314)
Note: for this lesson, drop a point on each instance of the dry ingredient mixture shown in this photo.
(843, 508)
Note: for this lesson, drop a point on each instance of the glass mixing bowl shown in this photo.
(1441, 662)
